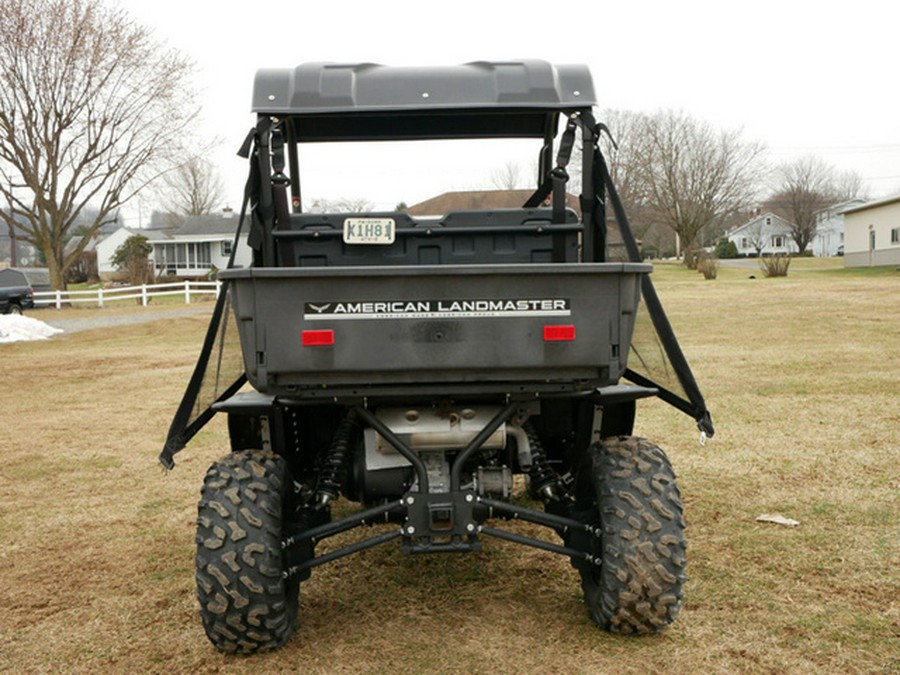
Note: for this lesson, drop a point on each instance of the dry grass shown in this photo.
(801, 374)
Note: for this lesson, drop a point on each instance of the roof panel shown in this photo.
(368, 87)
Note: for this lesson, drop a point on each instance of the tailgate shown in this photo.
(356, 328)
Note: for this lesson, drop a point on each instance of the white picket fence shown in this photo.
(99, 296)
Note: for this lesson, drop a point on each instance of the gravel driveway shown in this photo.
(102, 320)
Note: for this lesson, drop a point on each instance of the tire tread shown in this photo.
(244, 602)
(638, 588)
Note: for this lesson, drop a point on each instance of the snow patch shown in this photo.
(18, 328)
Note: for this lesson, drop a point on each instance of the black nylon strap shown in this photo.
(182, 429)
(249, 150)
(559, 175)
(539, 195)
(555, 183)
(560, 178)
(567, 142)
(279, 180)
(601, 127)
(695, 406)
(247, 145)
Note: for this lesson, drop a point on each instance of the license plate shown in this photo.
(369, 231)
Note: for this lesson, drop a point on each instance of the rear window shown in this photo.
(12, 278)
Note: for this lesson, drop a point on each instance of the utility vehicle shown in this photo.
(447, 373)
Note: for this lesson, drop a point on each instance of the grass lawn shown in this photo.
(801, 374)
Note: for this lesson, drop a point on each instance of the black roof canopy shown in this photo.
(335, 102)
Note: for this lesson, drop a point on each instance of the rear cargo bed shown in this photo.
(352, 330)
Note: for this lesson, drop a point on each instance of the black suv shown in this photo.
(16, 292)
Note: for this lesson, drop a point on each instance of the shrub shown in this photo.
(84, 269)
(132, 258)
(725, 248)
(775, 265)
(708, 265)
(692, 258)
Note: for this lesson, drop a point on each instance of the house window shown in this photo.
(193, 255)
(202, 259)
(777, 241)
(768, 220)
(226, 248)
(895, 235)
(745, 243)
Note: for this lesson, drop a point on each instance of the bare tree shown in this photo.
(508, 177)
(804, 187)
(849, 185)
(691, 175)
(90, 105)
(352, 205)
(342, 205)
(621, 151)
(195, 188)
(756, 237)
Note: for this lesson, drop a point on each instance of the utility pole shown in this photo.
(13, 254)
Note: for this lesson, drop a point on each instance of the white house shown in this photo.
(872, 233)
(829, 237)
(106, 247)
(766, 234)
(199, 245)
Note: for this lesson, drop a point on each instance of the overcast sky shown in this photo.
(800, 77)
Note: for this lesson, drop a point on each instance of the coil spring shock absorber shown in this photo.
(334, 468)
(543, 482)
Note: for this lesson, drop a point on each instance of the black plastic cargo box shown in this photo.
(498, 236)
(350, 330)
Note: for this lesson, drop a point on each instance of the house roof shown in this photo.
(496, 199)
(151, 235)
(478, 199)
(842, 207)
(761, 217)
(74, 241)
(212, 224)
(885, 201)
(193, 226)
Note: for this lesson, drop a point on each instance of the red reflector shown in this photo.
(317, 338)
(559, 333)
